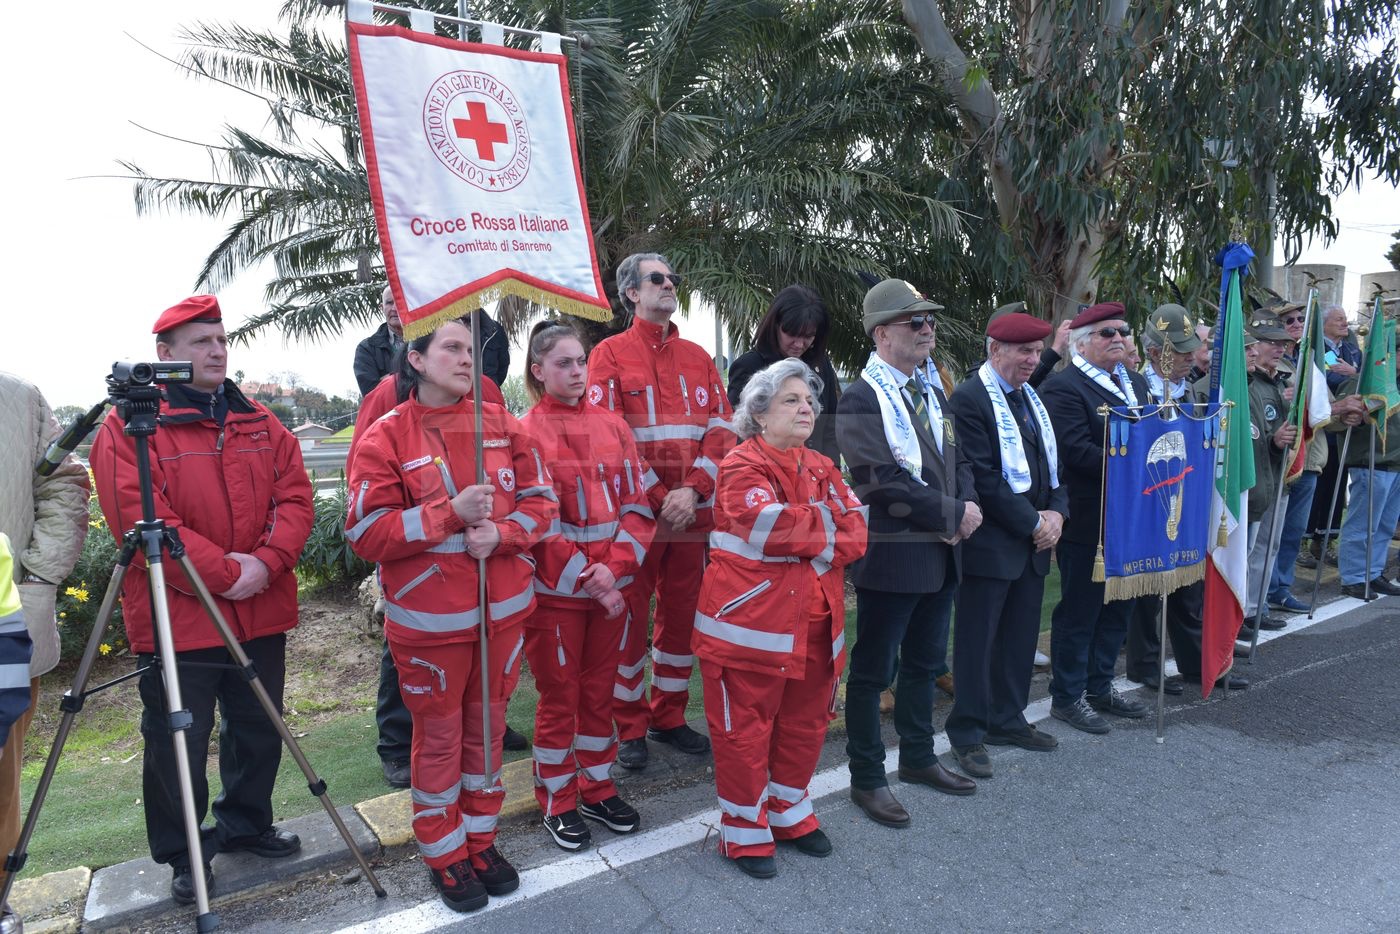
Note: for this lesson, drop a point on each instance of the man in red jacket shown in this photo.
(229, 477)
(670, 394)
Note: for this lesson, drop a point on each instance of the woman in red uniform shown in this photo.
(770, 627)
(572, 640)
(415, 508)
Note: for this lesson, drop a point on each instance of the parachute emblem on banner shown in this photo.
(1167, 467)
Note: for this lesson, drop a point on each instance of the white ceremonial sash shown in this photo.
(894, 418)
(1015, 469)
(1106, 382)
(1157, 385)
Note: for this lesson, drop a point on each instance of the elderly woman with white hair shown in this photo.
(770, 626)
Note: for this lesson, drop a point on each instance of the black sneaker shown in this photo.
(182, 884)
(271, 844)
(633, 754)
(614, 813)
(974, 760)
(397, 773)
(683, 738)
(1120, 705)
(499, 876)
(758, 867)
(458, 887)
(1081, 716)
(568, 830)
(514, 740)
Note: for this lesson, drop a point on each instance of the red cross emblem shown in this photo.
(479, 129)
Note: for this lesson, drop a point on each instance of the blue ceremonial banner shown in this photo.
(1158, 477)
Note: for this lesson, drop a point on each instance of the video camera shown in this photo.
(143, 374)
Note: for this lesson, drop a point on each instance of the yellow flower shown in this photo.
(96, 523)
(78, 593)
(105, 649)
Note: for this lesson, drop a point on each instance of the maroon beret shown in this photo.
(1103, 311)
(1018, 328)
(204, 308)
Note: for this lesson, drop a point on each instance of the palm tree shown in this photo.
(756, 143)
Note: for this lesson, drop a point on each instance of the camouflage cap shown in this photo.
(1172, 324)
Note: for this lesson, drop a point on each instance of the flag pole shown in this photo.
(1265, 577)
(1370, 516)
(1332, 510)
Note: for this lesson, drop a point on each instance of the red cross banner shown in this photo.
(474, 175)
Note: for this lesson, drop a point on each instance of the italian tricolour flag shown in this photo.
(1312, 409)
(1226, 577)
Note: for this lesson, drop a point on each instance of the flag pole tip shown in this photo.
(585, 41)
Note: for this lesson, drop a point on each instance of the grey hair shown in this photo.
(1080, 336)
(629, 275)
(763, 386)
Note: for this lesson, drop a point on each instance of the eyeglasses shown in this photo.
(1293, 319)
(917, 323)
(1108, 333)
(656, 278)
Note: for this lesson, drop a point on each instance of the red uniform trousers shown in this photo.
(573, 654)
(454, 802)
(674, 566)
(767, 734)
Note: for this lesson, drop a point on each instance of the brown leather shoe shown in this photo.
(939, 778)
(944, 683)
(881, 806)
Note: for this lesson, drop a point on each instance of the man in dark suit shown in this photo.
(374, 356)
(906, 467)
(1005, 435)
(1085, 632)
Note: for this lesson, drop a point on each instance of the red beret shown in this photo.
(1103, 311)
(1018, 328)
(195, 308)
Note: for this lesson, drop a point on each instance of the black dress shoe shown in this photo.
(1273, 623)
(271, 843)
(758, 867)
(683, 738)
(974, 760)
(1230, 681)
(1029, 738)
(881, 806)
(938, 778)
(812, 843)
(397, 773)
(1383, 586)
(1358, 591)
(514, 741)
(182, 885)
(633, 754)
(1172, 687)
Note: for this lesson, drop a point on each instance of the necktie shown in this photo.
(916, 396)
(1018, 405)
(1117, 381)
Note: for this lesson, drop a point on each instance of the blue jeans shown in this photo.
(1351, 553)
(1295, 525)
(1085, 632)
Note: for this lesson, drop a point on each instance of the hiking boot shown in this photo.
(397, 773)
(514, 740)
(632, 754)
(499, 876)
(271, 844)
(683, 738)
(458, 886)
(614, 813)
(182, 884)
(568, 830)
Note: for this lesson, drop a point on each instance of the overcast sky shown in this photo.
(88, 277)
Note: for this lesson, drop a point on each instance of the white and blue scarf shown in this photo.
(894, 416)
(1106, 382)
(1015, 469)
(1157, 385)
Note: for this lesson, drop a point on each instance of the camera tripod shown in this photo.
(139, 405)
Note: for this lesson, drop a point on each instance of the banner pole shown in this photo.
(1327, 532)
(481, 595)
(1262, 605)
(1370, 515)
(1162, 669)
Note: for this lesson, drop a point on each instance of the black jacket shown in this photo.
(1073, 401)
(824, 431)
(374, 359)
(495, 349)
(909, 524)
(1001, 546)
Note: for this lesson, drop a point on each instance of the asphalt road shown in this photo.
(1275, 809)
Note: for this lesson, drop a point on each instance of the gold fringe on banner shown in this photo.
(1153, 582)
(530, 293)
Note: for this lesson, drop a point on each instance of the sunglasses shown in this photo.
(656, 278)
(917, 323)
(1293, 319)
(1108, 333)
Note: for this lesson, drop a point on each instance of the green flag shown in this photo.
(1376, 384)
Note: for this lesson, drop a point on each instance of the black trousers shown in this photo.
(894, 630)
(249, 748)
(395, 722)
(1184, 608)
(1086, 633)
(993, 654)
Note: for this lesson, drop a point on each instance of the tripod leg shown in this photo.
(314, 783)
(180, 720)
(70, 705)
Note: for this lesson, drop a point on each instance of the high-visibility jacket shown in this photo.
(236, 487)
(600, 479)
(786, 523)
(385, 396)
(670, 393)
(406, 471)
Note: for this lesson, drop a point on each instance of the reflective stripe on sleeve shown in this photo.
(353, 534)
(739, 635)
(668, 433)
(413, 524)
(748, 812)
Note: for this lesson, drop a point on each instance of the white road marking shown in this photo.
(611, 856)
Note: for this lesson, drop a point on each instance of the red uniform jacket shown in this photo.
(384, 397)
(786, 523)
(670, 394)
(405, 473)
(238, 488)
(604, 516)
